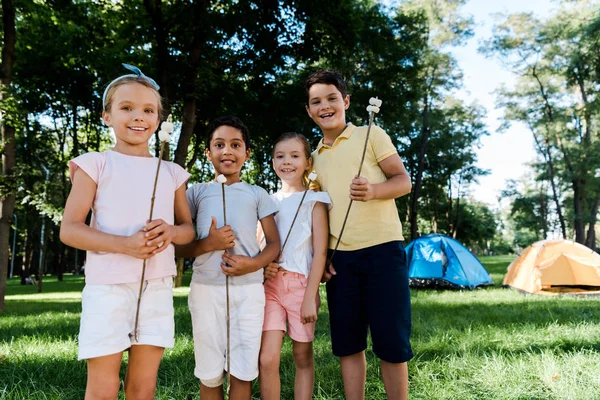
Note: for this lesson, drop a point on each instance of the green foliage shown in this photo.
(230, 57)
(557, 99)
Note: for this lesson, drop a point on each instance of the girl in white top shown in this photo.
(117, 186)
(292, 295)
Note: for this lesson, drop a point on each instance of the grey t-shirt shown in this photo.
(246, 204)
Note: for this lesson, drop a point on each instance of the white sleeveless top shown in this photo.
(298, 252)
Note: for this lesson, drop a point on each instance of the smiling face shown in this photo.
(291, 163)
(327, 107)
(227, 152)
(134, 117)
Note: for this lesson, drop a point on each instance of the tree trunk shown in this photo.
(189, 93)
(42, 254)
(454, 227)
(7, 202)
(154, 10)
(179, 278)
(590, 240)
(414, 197)
(550, 163)
(544, 211)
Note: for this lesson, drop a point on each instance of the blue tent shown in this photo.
(436, 260)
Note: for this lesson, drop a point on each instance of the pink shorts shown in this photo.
(284, 295)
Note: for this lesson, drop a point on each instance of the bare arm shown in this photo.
(184, 230)
(75, 233)
(320, 240)
(398, 182)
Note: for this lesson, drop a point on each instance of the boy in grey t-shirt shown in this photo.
(232, 251)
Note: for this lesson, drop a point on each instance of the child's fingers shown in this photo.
(161, 246)
(153, 224)
(332, 270)
(228, 258)
(308, 319)
(229, 270)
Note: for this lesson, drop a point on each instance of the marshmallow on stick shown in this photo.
(164, 136)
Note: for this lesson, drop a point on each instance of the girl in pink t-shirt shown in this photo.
(292, 294)
(117, 186)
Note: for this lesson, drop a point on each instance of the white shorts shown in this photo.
(209, 321)
(108, 317)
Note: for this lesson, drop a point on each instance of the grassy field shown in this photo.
(487, 344)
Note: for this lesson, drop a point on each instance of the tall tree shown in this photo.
(556, 97)
(7, 196)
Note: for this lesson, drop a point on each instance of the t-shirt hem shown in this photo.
(147, 277)
(364, 245)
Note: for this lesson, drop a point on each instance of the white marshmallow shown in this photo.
(221, 178)
(312, 176)
(164, 136)
(166, 126)
(373, 109)
(374, 101)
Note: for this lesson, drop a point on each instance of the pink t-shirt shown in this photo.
(122, 206)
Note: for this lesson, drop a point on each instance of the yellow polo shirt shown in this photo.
(369, 223)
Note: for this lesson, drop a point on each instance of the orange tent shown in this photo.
(554, 267)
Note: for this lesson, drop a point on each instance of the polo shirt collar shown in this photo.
(344, 135)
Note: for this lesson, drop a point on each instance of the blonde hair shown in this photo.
(305, 146)
(127, 80)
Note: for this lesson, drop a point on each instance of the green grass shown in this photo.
(486, 344)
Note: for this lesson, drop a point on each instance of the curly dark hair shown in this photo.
(232, 121)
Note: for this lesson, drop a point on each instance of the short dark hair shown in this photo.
(326, 77)
(232, 121)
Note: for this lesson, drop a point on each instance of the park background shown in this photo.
(249, 58)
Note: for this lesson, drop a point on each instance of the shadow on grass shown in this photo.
(445, 328)
(462, 316)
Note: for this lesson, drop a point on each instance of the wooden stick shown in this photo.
(227, 299)
(137, 310)
(295, 216)
(371, 116)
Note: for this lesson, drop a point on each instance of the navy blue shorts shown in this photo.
(370, 291)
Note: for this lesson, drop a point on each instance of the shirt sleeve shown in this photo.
(91, 163)
(381, 143)
(320, 197)
(181, 175)
(193, 198)
(266, 205)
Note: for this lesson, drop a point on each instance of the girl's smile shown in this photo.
(290, 164)
(134, 118)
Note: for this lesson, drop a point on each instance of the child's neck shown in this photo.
(231, 179)
(136, 151)
(292, 187)
(330, 135)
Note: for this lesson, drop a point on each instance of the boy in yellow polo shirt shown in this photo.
(369, 288)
